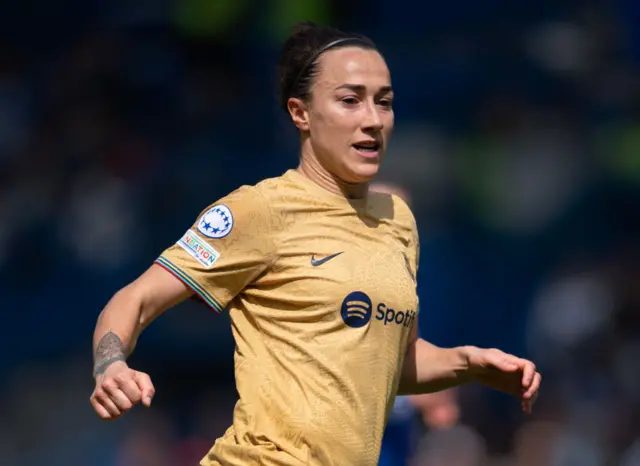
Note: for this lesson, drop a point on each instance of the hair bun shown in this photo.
(297, 66)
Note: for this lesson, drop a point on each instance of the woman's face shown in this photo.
(349, 117)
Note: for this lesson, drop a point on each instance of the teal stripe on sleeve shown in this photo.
(190, 282)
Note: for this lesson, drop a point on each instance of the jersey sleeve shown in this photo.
(414, 261)
(415, 246)
(225, 250)
(413, 243)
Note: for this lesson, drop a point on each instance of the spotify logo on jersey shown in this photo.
(356, 309)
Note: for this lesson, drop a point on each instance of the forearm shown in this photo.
(117, 330)
(428, 368)
(130, 311)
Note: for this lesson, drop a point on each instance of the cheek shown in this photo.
(389, 117)
(389, 121)
(335, 125)
(327, 137)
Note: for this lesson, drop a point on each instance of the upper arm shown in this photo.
(226, 249)
(157, 291)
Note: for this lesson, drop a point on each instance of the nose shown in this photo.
(372, 120)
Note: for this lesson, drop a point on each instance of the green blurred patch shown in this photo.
(209, 17)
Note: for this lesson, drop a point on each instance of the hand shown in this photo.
(439, 410)
(507, 373)
(118, 389)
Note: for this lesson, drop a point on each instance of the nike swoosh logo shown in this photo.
(318, 262)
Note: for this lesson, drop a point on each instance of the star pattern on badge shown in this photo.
(216, 223)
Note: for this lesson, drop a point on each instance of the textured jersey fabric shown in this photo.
(321, 293)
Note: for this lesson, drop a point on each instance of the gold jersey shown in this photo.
(321, 293)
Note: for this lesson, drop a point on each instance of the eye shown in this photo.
(349, 101)
(386, 103)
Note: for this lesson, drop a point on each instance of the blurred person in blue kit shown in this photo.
(411, 414)
(318, 274)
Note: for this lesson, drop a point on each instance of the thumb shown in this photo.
(146, 387)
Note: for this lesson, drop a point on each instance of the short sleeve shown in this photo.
(225, 250)
(416, 250)
(413, 243)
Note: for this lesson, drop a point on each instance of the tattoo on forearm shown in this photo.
(110, 349)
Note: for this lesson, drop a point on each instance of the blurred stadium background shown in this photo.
(518, 137)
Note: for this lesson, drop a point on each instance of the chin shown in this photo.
(363, 173)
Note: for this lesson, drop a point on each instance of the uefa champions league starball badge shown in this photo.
(217, 222)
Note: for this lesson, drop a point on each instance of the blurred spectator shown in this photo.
(459, 446)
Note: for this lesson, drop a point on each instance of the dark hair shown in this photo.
(298, 64)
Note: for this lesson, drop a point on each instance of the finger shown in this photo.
(533, 389)
(146, 387)
(131, 390)
(506, 363)
(117, 395)
(121, 401)
(502, 361)
(528, 373)
(100, 410)
(111, 407)
(534, 398)
(105, 401)
(530, 400)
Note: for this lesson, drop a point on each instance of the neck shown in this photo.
(313, 169)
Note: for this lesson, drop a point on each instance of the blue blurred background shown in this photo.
(517, 136)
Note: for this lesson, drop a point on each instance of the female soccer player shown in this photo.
(319, 278)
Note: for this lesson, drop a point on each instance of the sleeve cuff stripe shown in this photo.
(190, 282)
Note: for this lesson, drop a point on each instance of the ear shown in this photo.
(299, 113)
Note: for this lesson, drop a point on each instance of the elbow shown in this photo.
(409, 373)
(407, 388)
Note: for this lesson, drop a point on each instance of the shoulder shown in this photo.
(256, 206)
(404, 212)
(264, 193)
(394, 208)
(243, 208)
(252, 197)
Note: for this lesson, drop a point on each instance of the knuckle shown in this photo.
(121, 378)
(132, 385)
(108, 384)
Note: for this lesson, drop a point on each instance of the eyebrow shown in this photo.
(362, 88)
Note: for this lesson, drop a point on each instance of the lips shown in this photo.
(367, 146)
